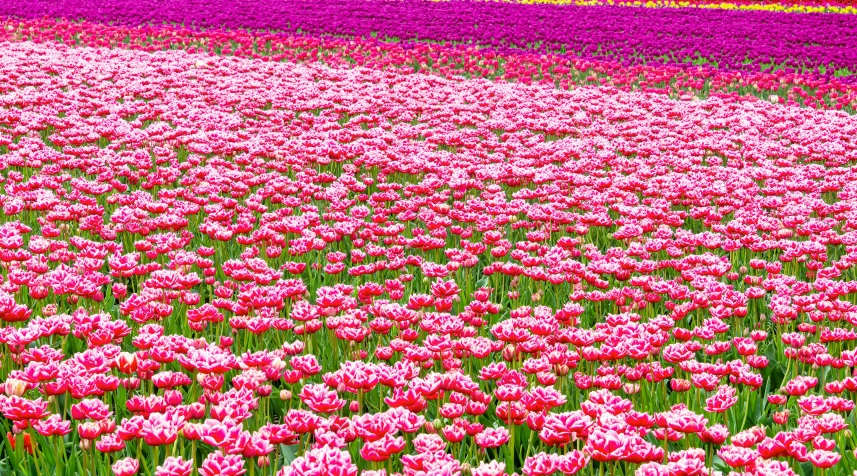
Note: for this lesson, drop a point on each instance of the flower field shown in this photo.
(428, 238)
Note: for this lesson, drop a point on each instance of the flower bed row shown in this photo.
(747, 41)
(450, 61)
(785, 6)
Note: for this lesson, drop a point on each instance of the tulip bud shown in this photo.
(510, 352)
(278, 364)
(679, 385)
(15, 387)
(354, 406)
(126, 362)
(263, 462)
(285, 395)
(173, 397)
(89, 430)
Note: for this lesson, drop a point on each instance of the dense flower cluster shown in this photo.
(451, 61)
(788, 6)
(234, 252)
(748, 41)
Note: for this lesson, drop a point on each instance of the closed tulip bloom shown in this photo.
(125, 467)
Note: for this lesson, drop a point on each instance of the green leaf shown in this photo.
(289, 453)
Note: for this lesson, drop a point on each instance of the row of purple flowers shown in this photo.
(734, 40)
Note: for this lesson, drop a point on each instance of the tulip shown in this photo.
(125, 467)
